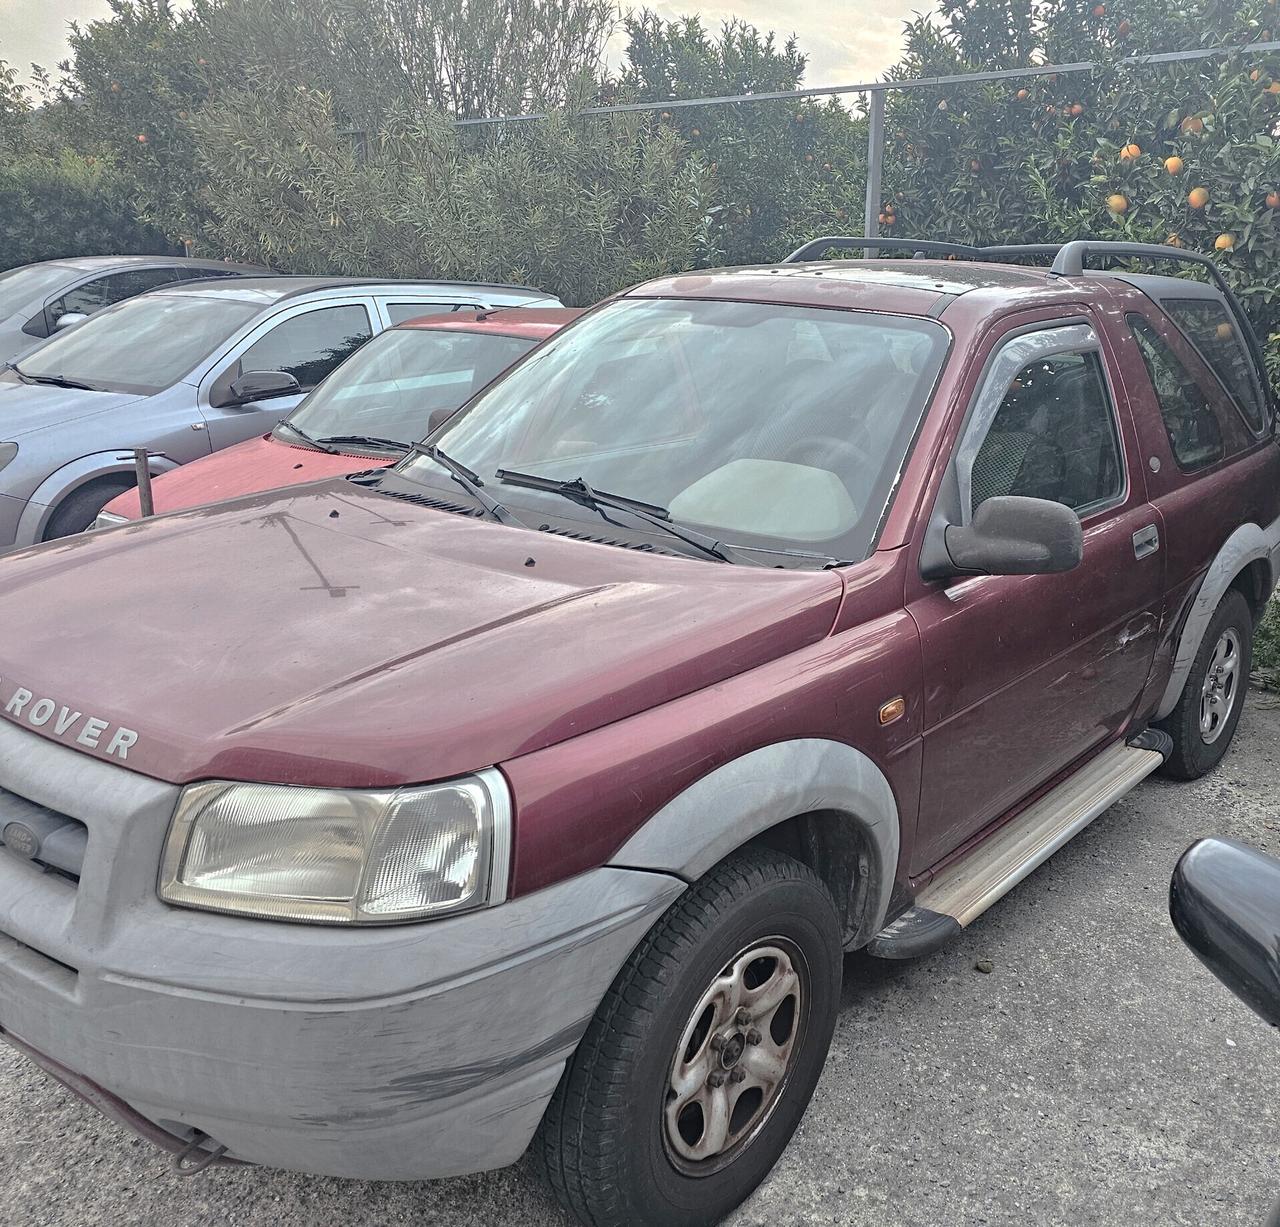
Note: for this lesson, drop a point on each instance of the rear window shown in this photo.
(1212, 330)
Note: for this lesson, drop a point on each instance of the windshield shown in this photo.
(142, 345)
(769, 426)
(33, 281)
(391, 388)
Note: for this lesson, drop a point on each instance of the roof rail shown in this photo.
(921, 247)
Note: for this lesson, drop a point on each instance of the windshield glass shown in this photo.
(142, 345)
(35, 281)
(391, 387)
(769, 426)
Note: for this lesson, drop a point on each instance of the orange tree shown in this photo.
(1184, 154)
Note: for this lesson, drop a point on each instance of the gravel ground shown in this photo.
(1097, 1075)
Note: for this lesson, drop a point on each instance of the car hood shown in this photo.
(264, 463)
(28, 407)
(332, 635)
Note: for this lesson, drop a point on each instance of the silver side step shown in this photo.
(964, 891)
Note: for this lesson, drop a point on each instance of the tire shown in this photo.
(79, 509)
(617, 1145)
(1208, 711)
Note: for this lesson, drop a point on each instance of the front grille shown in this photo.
(43, 836)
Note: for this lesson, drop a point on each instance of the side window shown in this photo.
(1053, 437)
(310, 345)
(107, 291)
(398, 312)
(1194, 432)
(1213, 332)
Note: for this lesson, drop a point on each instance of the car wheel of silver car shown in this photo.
(79, 509)
(701, 1060)
(1204, 721)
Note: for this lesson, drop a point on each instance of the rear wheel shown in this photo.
(701, 1060)
(1208, 711)
(79, 509)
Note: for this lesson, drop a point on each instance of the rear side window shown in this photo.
(1194, 432)
(1053, 437)
(310, 345)
(1214, 333)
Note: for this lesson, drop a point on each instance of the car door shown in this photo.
(1025, 674)
(307, 340)
(99, 292)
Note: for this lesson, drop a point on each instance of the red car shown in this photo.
(367, 413)
(531, 791)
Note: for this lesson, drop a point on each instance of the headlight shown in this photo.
(340, 857)
(7, 452)
(109, 519)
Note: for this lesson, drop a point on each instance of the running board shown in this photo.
(963, 891)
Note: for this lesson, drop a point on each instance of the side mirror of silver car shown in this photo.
(69, 319)
(262, 385)
(1224, 901)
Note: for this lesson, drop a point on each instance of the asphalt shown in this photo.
(1097, 1074)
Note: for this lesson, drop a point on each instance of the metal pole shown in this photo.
(142, 467)
(875, 164)
(862, 87)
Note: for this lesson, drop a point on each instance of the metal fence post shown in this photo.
(875, 164)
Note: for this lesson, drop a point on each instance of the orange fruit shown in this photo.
(1198, 197)
(1173, 241)
(975, 166)
(1117, 203)
(1077, 108)
(1123, 29)
(1255, 74)
(1173, 165)
(826, 166)
(1273, 88)
(142, 140)
(115, 87)
(1224, 242)
(1099, 10)
(1130, 153)
(695, 132)
(1193, 123)
(1022, 95)
(1223, 332)
(1273, 200)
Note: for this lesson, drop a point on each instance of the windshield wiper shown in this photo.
(319, 444)
(55, 381)
(469, 481)
(376, 442)
(580, 492)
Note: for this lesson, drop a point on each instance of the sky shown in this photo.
(846, 40)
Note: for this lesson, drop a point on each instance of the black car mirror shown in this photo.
(1012, 535)
(262, 385)
(1224, 901)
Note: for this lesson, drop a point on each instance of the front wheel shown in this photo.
(1204, 721)
(702, 1057)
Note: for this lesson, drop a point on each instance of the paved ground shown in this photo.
(1096, 1076)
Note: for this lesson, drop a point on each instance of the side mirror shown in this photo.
(69, 319)
(1012, 535)
(1224, 901)
(262, 385)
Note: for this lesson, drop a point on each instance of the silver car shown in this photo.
(184, 371)
(38, 299)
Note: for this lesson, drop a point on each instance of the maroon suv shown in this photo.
(531, 790)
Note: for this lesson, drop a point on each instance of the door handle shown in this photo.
(1146, 541)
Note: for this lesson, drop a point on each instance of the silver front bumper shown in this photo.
(409, 1052)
